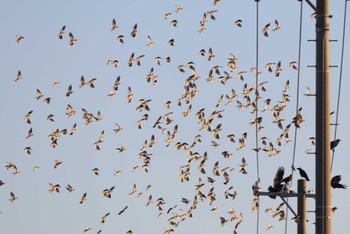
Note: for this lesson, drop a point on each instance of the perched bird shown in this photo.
(335, 182)
(334, 144)
(303, 174)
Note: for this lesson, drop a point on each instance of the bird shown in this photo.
(95, 171)
(13, 197)
(19, 76)
(167, 15)
(287, 179)
(61, 32)
(28, 150)
(120, 38)
(265, 28)
(70, 188)
(171, 42)
(335, 182)
(276, 26)
(134, 31)
(123, 210)
(334, 144)
(293, 65)
(54, 188)
(69, 91)
(103, 218)
(83, 198)
(19, 38)
(238, 23)
(72, 40)
(277, 182)
(303, 174)
(87, 229)
(150, 42)
(27, 117)
(173, 23)
(114, 25)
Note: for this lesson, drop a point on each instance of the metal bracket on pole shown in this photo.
(300, 218)
(311, 5)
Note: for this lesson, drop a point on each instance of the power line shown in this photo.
(340, 81)
(256, 106)
(297, 102)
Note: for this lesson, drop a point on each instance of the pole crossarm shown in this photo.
(273, 194)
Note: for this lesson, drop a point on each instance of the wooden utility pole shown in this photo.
(302, 206)
(323, 188)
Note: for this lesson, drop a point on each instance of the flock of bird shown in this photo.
(169, 127)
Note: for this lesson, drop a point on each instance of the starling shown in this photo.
(334, 144)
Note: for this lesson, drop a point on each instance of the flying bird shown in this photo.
(238, 23)
(277, 182)
(72, 40)
(114, 25)
(19, 38)
(61, 32)
(335, 182)
(265, 29)
(134, 31)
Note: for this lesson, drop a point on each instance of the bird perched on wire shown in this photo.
(334, 144)
(335, 182)
(303, 174)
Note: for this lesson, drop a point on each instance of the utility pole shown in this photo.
(302, 206)
(323, 189)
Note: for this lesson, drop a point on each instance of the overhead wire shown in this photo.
(256, 109)
(340, 81)
(297, 101)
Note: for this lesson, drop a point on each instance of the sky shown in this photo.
(51, 65)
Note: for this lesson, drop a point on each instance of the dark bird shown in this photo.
(123, 210)
(335, 182)
(334, 144)
(303, 174)
(288, 179)
(277, 182)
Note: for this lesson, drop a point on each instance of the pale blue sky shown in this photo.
(42, 58)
